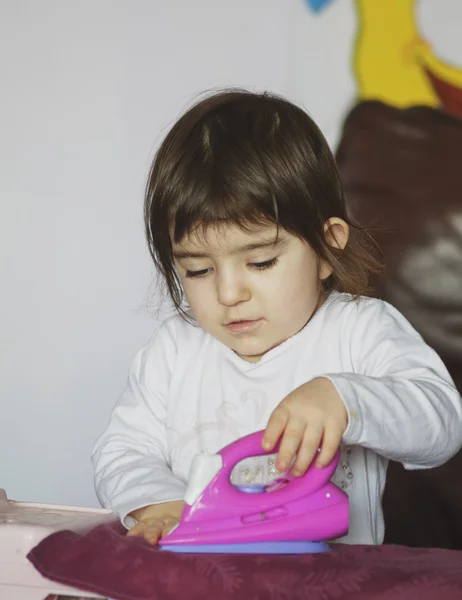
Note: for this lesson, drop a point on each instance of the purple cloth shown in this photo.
(106, 562)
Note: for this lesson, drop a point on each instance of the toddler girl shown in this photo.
(246, 223)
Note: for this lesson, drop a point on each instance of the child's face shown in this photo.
(249, 292)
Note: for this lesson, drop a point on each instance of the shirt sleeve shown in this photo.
(130, 458)
(400, 399)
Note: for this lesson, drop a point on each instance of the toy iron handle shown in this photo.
(250, 445)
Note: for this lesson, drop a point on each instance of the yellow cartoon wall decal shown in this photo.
(387, 64)
(392, 60)
(394, 64)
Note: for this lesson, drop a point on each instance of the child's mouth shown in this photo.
(244, 326)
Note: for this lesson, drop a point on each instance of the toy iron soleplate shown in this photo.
(252, 548)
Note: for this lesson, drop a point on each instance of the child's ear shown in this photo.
(336, 232)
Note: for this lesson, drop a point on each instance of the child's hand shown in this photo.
(311, 416)
(156, 520)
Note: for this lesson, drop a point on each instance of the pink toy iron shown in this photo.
(231, 507)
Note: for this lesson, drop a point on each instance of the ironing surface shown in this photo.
(238, 502)
(113, 565)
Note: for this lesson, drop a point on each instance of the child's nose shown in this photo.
(232, 289)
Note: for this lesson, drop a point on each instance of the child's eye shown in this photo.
(267, 264)
(193, 274)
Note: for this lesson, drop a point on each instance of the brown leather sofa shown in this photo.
(402, 172)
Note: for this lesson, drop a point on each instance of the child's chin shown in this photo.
(251, 352)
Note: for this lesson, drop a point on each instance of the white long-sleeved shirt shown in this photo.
(188, 393)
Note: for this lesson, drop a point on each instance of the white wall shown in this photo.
(87, 90)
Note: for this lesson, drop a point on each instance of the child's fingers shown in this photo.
(290, 443)
(276, 426)
(330, 443)
(308, 448)
(159, 529)
(150, 529)
(153, 533)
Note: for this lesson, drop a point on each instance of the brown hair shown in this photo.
(251, 159)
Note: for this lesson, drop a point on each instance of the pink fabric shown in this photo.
(106, 562)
